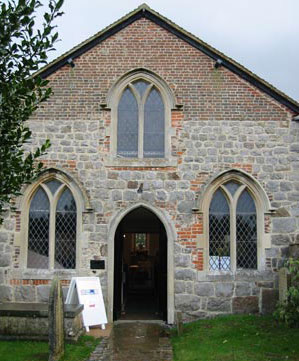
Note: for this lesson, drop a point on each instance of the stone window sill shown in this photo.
(228, 275)
(137, 162)
(43, 274)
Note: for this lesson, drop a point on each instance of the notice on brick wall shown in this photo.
(88, 292)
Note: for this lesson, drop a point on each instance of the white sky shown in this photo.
(262, 35)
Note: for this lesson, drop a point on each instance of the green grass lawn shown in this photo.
(38, 351)
(236, 338)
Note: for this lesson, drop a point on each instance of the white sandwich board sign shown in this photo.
(88, 292)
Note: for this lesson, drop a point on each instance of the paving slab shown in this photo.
(135, 341)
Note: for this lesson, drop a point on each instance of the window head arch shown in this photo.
(52, 227)
(232, 228)
(141, 106)
(234, 204)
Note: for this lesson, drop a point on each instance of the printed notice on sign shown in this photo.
(88, 291)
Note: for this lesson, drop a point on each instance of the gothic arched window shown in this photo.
(52, 229)
(141, 121)
(232, 228)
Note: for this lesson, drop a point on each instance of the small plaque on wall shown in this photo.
(97, 264)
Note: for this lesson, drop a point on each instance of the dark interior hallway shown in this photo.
(140, 272)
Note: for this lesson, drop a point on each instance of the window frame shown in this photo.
(262, 206)
(232, 201)
(113, 99)
(53, 201)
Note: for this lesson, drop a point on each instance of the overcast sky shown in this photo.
(262, 35)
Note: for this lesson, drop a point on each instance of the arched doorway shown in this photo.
(140, 267)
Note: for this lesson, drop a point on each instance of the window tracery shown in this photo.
(52, 227)
(141, 121)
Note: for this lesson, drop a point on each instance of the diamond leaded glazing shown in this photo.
(219, 233)
(38, 235)
(127, 125)
(65, 231)
(154, 126)
(246, 232)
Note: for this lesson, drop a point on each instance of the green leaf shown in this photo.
(23, 50)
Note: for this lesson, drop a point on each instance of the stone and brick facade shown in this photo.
(225, 123)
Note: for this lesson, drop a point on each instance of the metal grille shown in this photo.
(246, 232)
(141, 86)
(154, 126)
(219, 233)
(127, 125)
(38, 237)
(65, 231)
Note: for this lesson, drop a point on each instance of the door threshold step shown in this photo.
(139, 321)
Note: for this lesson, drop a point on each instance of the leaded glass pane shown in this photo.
(219, 233)
(53, 185)
(140, 241)
(154, 126)
(141, 86)
(232, 186)
(246, 232)
(65, 231)
(127, 125)
(38, 234)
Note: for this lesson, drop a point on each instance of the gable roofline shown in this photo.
(145, 11)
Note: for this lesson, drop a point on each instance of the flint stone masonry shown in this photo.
(6, 293)
(218, 125)
(294, 250)
(187, 302)
(269, 298)
(204, 289)
(242, 289)
(247, 304)
(284, 225)
(24, 294)
(217, 304)
(224, 289)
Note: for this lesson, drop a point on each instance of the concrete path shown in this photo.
(135, 341)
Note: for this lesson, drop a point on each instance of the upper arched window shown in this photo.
(52, 227)
(233, 225)
(140, 133)
(141, 121)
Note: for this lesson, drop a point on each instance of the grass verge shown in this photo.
(236, 338)
(38, 351)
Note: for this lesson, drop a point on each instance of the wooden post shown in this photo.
(179, 323)
(284, 279)
(56, 321)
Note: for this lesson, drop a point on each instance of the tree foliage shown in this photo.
(23, 50)
(288, 311)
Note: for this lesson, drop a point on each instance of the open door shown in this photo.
(118, 266)
(140, 267)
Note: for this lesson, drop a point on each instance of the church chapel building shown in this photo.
(173, 176)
